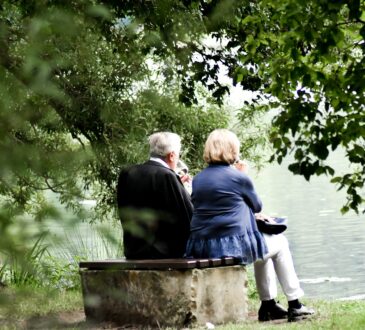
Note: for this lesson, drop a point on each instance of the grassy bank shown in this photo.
(39, 308)
(42, 309)
(330, 315)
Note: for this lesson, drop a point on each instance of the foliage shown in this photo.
(58, 273)
(78, 97)
(21, 269)
(315, 73)
(80, 90)
(252, 292)
(303, 58)
(52, 261)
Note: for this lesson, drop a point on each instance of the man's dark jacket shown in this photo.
(155, 211)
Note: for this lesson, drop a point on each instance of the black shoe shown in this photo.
(273, 312)
(296, 314)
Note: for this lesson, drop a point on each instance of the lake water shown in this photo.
(328, 247)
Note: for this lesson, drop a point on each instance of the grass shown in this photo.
(40, 307)
(38, 294)
(21, 307)
(20, 268)
(52, 260)
(329, 315)
(43, 309)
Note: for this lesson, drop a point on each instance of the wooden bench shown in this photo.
(164, 292)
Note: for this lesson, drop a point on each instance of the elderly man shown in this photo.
(154, 207)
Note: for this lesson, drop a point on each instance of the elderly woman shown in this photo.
(224, 225)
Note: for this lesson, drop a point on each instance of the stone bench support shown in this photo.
(164, 297)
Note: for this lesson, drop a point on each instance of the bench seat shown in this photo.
(157, 263)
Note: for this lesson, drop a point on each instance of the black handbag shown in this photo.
(272, 228)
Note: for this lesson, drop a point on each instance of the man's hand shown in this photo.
(185, 178)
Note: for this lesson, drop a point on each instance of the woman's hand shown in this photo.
(264, 217)
(241, 165)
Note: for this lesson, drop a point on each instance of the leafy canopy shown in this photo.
(80, 90)
(84, 82)
(305, 59)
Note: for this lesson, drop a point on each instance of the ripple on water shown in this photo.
(325, 279)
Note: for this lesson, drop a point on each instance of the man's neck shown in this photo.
(159, 160)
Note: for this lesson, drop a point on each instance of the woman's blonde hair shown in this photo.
(222, 145)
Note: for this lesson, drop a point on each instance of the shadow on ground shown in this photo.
(65, 320)
(76, 320)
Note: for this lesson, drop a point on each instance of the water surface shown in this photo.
(328, 247)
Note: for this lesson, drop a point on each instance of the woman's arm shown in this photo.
(248, 191)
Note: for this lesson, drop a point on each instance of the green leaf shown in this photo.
(276, 143)
(337, 179)
(362, 32)
(99, 11)
(295, 168)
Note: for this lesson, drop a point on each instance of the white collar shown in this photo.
(159, 160)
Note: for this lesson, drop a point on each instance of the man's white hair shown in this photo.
(162, 143)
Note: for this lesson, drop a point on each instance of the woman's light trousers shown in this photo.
(278, 263)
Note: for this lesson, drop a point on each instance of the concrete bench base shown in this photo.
(173, 298)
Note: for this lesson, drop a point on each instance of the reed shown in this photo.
(20, 268)
(52, 261)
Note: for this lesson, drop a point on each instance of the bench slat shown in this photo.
(156, 263)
